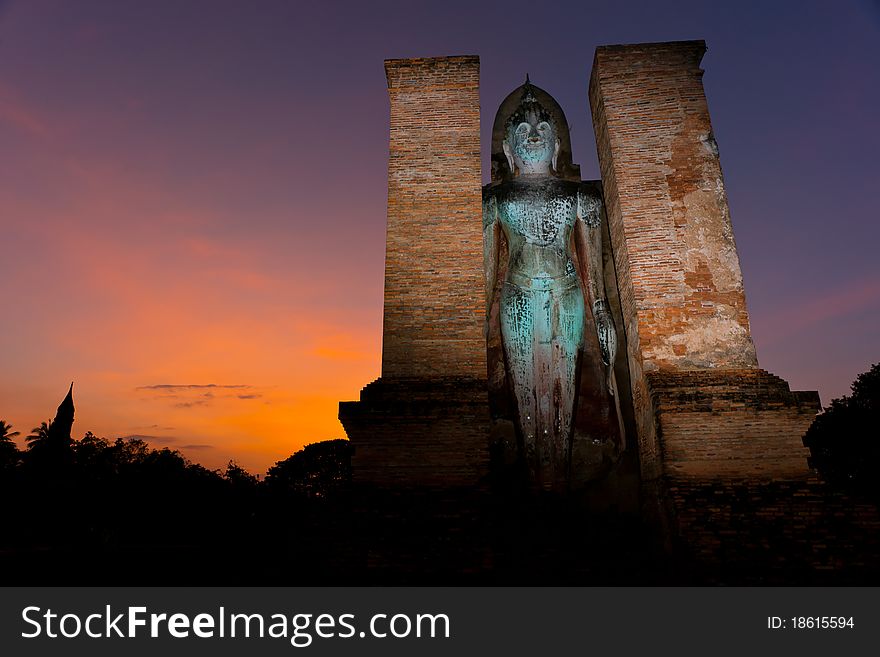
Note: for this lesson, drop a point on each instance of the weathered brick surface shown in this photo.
(419, 433)
(744, 506)
(723, 438)
(668, 208)
(434, 244)
(678, 272)
(425, 423)
(731, 423)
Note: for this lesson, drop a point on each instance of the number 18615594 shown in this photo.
(811, 623)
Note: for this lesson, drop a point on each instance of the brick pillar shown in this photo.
(681, 287)
(670, 217)
(425, 422)
(434, 245)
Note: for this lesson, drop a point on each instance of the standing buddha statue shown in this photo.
(557, 333)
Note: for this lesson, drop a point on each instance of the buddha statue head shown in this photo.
(531, 142)
(530, 137)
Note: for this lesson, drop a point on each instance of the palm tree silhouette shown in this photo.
(39, 436)
(8, 449)
(6, 432)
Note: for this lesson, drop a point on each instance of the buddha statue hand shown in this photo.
(606, 332)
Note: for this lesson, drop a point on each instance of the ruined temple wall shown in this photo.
(643, 413)
(417, 433)
(669, 212)
(433, 324)
(718, 424)
(679, 278)
(425, 422)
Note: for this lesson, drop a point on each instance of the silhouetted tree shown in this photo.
(129, 452)
(238, 477)
(8, 449)
(6, 432)
(844, 440)
(106, 502)
(320, 470)
(47, 449)
(39, 436)
(242, 500)
(90, 446)
(93, 458)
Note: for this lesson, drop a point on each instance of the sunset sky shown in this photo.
(192, 194)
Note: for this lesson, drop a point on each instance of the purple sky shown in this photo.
(193, 193)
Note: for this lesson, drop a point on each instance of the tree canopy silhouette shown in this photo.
(6, 432)
(318, 471)
(844, 440)
(109, 503)
(8, 449)
(39, 436)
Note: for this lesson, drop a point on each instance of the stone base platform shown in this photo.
(415, 432)
(741, 504)
(744, 423)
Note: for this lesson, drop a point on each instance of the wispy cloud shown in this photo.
(196, 395)
(196, 447)
(190, 404)
(193, 386)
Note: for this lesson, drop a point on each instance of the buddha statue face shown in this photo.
(531, 143)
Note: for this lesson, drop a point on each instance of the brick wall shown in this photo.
(679, 279)
(731, 424)
(434, 244)
(425, 422)
(668, 208)
(419, 433)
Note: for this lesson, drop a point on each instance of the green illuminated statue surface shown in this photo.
(547, 299)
